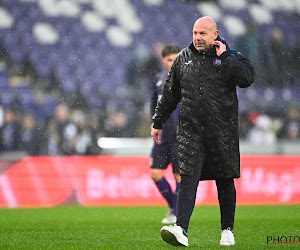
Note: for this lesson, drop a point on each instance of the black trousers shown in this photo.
(187, 197)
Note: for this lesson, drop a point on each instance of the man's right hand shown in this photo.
(156, 135)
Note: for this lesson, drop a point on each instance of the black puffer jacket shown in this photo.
(205, 84)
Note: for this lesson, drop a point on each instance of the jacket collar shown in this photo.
(212, 51)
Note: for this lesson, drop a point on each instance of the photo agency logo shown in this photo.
(283, 239)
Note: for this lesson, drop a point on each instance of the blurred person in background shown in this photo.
(295, 62)
(51, 138)
(166, 153)
(77, 137)
(135, 76)
(290, 128)
(153, 63)
(63, 128)
(262, 132)
(29, 135)
(140, 72)
(203, 78)
(251, 44)
(57, 132)
(9, 138)
(143, 126)
(116, 123)
(246, 122)
(277, 58)
(96, 129)
(1, 116)
(135, 67)
(72, 132)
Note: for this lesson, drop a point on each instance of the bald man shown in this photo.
(203, 78)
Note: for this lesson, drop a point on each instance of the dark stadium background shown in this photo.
(75, 80)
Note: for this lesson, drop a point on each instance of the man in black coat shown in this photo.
(203, 79)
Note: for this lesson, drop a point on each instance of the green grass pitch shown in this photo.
(138, 227)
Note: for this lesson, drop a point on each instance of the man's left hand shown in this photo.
(220, 47)
(156, 134)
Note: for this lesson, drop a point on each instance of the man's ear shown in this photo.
(216, 33)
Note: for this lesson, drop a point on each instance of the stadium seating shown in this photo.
(87, 44)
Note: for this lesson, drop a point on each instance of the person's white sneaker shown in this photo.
(227, 238)
(170, 218)
(174, 235)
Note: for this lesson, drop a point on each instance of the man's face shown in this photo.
(168, 61)
(203, 35)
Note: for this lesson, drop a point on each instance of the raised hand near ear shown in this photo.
(220, 47)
